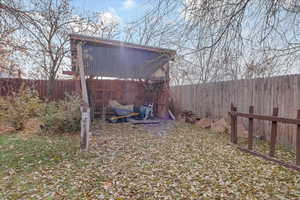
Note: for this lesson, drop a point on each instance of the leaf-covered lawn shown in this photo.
(127, 163)
(21, 153)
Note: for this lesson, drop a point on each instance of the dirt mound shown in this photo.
(220, 126)
(204, 123)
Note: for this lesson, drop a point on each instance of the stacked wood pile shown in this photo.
(188, 117)
(217, 125)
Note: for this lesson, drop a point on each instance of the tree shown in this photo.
(218, 40)
(8, 44)
(46, 25)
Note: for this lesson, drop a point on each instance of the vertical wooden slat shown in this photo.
(250, 129)
(273, 133)
(233, 125)
(298, 141)
(264, 93)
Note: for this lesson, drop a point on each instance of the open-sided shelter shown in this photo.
(121, 71)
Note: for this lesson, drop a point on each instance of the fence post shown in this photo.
(273, 133)
(250, 129)
(233, 124)
(298, 141)
(85, 127)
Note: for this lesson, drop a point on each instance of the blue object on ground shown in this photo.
(121, 112)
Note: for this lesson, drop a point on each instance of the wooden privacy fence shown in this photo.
(100, 91)
(234, 114)
(212, 100)
(60, 87)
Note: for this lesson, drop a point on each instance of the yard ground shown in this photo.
(126, 162)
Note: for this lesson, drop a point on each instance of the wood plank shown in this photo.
(250, 129)
(268, 118)
(85, 128)
(265, 93)
(85, 110)
(273, 133)
(233, 125)
(82, 75)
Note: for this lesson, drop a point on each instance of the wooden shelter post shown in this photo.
(85, 110)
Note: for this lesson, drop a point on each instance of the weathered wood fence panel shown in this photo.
(100, 91)
(60, 88)
(213, 100)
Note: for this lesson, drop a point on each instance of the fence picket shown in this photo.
(250, 129)
(273, 133)
(265, 93)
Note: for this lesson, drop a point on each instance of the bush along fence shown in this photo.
(274, 119)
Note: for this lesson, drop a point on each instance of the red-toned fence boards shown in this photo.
(127, 92)
(60, 88)
(100, 91)
(274, 119)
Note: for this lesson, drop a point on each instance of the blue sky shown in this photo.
(126, 10)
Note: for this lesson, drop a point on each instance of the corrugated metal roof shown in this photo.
(122, 61)
(98, 40)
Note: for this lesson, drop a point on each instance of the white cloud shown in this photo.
(107, 21)
(128, 4)
(109, 18)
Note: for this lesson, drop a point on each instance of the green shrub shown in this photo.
(63, 116)
(20, 107)
(57, 117)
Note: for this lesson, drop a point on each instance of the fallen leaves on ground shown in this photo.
(125, 162)
(5, 128)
